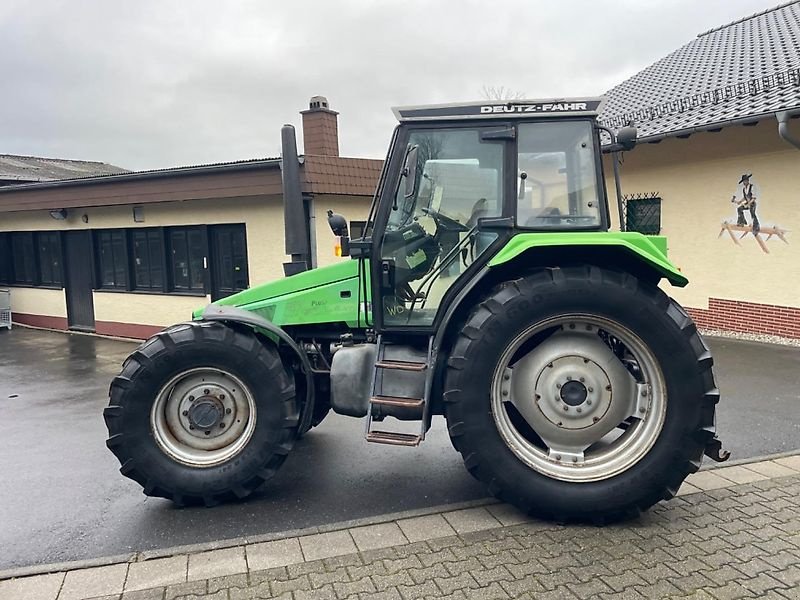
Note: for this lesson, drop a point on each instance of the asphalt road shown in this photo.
(62, 498)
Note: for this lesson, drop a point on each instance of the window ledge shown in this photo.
(152, 292)
(33, 286)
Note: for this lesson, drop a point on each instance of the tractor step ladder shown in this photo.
(396, 438)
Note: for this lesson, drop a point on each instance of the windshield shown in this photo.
(557, 176)
(431, 237)
(368, 225)
(457, 176)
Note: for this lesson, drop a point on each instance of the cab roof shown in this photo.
(493, 109)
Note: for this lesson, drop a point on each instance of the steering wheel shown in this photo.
(444, 221)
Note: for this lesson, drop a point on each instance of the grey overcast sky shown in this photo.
(161, 83)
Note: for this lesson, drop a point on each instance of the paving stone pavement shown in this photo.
(714, 541)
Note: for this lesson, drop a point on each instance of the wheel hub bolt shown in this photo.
(582, 379)
(569, 377)
(186, 413)
(642, 409)
(222, 396)
(206, 392)
(558, 386)
(579, 409)
(588, 403)
(574, 459)
(191, 398)
(208, 433)
(227, 411)
(566, 409)
(558, 457)
(505, 392)
(222, 425)
(591, 389)
(506, 376)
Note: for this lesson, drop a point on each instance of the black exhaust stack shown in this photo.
(294, 214)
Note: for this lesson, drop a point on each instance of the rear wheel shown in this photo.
(201, 413)
(580, 394)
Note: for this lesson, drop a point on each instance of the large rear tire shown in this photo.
(201, 413)
(580, 394)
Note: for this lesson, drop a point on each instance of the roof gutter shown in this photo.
(783, 126)
(141, 175)
(750, 120)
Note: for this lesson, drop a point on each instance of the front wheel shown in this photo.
(201, 413)
(580, 394)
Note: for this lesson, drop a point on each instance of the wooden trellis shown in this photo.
(778, 232)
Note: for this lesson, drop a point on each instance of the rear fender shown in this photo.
(629, 248)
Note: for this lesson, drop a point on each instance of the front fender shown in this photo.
(651, 250)
(232, 314)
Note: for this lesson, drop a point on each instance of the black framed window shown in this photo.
(48, 246)
(147, 253)
(186, 258)
(112, 259)
(23, 258)
(5, 259)
(229, 260)
(643, 213)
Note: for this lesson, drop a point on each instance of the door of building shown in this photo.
(78, 280)
(228, 260)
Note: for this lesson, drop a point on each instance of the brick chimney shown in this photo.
(320, 128)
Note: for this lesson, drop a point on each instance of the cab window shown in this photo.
(557, 176)
(431, 234)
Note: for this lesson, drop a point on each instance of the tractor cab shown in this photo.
(459, 181)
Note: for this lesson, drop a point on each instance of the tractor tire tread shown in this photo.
(696, 433)
(172, 341)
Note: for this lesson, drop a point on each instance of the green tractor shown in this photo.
(486, 288)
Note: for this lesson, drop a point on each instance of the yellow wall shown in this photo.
(352, 208)
(37, 301)
(263, 218)
(696, 178)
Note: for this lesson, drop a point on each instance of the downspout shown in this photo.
(783, 126)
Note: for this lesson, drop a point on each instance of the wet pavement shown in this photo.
(62, 498)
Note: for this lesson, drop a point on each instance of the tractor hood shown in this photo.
(323, 295)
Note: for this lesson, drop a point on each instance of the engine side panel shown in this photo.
(323, 295)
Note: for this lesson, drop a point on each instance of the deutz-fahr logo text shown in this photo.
(532, 108)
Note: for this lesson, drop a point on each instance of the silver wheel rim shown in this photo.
(573, 408)
(203, 417)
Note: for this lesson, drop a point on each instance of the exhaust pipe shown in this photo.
(294, 213)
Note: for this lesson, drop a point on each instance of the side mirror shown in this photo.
(337, 223)
(626, 137)
(410, 171)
